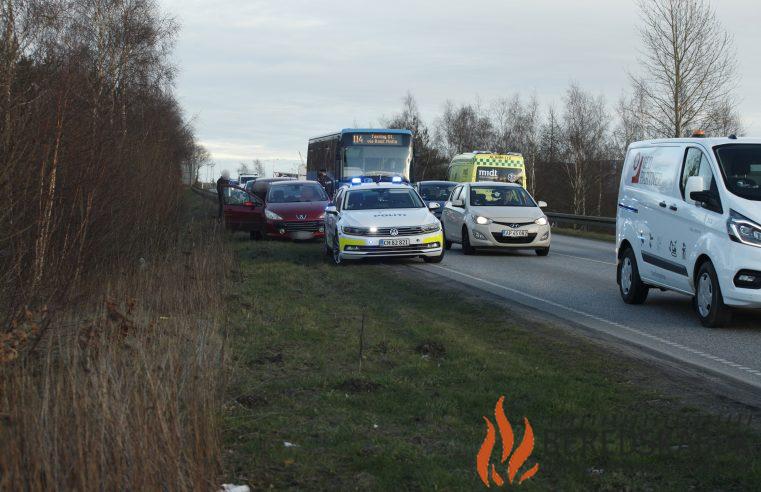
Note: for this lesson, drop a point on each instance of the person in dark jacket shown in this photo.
(326, 182)
(222, 183)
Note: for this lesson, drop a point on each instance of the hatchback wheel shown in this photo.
(708, 301)
(543, 251)
(467, 249)
(633, 290)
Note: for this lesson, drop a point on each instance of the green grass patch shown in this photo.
(305, 414)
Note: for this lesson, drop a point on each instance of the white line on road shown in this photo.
(600, 319)
(585, 259)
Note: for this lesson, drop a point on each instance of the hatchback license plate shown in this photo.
(518, 233)
(394, 242)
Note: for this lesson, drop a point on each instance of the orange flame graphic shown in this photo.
(518, 458)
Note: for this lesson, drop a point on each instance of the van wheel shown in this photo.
(633, 290)
(467, 249)
(708, 301)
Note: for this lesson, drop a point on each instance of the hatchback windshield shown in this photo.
(296, 192)
(500, 196)
(382, 198)
(741, 167)
(436, 192)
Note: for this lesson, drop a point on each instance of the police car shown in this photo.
(381, 220)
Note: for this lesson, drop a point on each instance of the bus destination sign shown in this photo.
(376, 139)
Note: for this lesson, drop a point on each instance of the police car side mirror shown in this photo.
(433, 206)
(542, 204)
(331, 209)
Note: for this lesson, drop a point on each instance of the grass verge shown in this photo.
(359, 378)
(121, 389)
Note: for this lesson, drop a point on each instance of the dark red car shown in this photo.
(278, 207)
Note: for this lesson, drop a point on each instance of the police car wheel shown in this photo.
(336, 250)
(631, 287)
(467, 249)
(326, 247)
(708, 301)
(434, 259)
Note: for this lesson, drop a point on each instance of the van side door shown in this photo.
(695, 219)
(655, 182)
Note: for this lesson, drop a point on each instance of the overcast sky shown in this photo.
(260, 77)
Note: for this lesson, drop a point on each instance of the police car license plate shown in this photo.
(514, 233)
(394, 242)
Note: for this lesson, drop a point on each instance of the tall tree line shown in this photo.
(685, 81)
(92, 140)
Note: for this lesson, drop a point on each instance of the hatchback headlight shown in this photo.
(541, 221)
(481, 220)
(743, 230)
(271, 215)
(435, 227)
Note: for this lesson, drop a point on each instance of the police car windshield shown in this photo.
(436, 192)
(741, 167)
(382, 198)
(500, 196)
(296, 192)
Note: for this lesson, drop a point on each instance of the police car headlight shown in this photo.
(354, 231)
(541, 221)
(272, 215)
(432, 227)
(743, 230)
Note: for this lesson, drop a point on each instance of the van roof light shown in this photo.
(699, 134)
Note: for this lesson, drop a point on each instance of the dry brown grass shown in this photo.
(122, 389)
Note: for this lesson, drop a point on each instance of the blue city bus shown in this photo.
(360, 155)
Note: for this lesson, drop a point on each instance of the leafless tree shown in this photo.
(428, 162)
(632, 121)
(585, 127)
(463, 129)
(688, 65)
(259, 168)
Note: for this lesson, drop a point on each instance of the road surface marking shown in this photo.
(585, 259)
(605, 321)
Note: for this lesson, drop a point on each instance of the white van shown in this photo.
(689, 216)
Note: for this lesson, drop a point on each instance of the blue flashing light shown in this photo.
(356, 181)
(396, 179)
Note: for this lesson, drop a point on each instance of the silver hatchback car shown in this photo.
(495, 215)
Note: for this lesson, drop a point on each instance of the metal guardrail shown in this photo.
(603, 224)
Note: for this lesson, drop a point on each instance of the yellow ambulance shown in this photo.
(478, 166)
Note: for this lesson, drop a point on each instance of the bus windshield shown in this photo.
(362, 160)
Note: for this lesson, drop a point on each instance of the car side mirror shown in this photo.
(331, 209)
(696, 185)
(542, 204)
(458, 203)
(434, 206)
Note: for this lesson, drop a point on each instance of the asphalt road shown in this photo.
(577, 282)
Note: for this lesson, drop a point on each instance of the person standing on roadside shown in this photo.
(326, 182)
(222, 183)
